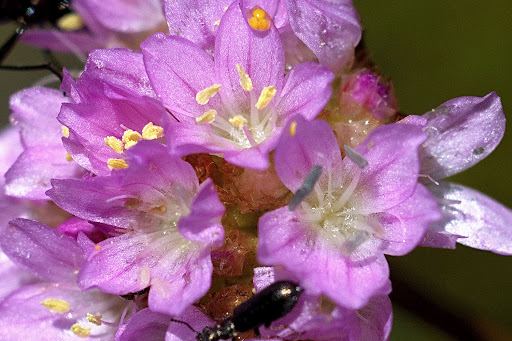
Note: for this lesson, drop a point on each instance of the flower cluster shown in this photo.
(248, 145)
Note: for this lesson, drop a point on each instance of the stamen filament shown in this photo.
(249, 136)
(338, 205)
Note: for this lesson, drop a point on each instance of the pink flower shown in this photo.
(335, 241)
(162, 225)
(236, 104)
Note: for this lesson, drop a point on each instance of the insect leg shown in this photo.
(6, 48)
(9, 44)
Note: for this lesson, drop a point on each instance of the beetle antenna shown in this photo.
(185, 323)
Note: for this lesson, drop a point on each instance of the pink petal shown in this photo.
(478, 220)
(462, 132)
(44, 251)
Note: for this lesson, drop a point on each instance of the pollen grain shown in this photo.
(259, 20)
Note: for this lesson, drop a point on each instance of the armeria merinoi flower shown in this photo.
(161, 222)
(335, 240)
(237, 103)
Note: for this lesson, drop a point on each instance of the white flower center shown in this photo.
(248, 127)
(336, 216)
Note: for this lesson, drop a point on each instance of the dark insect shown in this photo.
(28, 14)
(131, 296)
(270, 304)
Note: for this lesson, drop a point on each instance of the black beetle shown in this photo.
(268, 305)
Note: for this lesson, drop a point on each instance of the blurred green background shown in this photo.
(433, 51)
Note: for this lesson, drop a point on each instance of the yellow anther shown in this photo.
(69, 158)
(81, 331)
(207, 117)
(152, 132)
(132, 203)
(115, 144)
(158, 210)
(56, 305)
(70, 22)
(266, 96)
(116, 164)
(203, 96)
(65, 131)
(259, 20)
(245, 80)
(238, 121)
(76, 272)
(130, 138)
(97, 247)
(96, 319)
(293, 128)
(217, 23)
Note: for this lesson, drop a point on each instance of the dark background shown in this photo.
(433, 51)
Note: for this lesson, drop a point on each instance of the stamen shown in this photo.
(293, 128)
(115, 144)
(357, 158)
(217, 23)
(259, 20)
(97, 247)
(65, 131)
(207, 117)
(448, 202)
(353, 242)
(203, 96)
(307, 187)
(266, 96)
(116, 164)
(133, 203)
(96, 319)
(56, 305)
(130, 138)
(69, 158)
(429, 178)
(152, 132)
(158, 210)
(238, 121)
(245, 80)
(81, 331)
(70, 22)
(348, 192)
